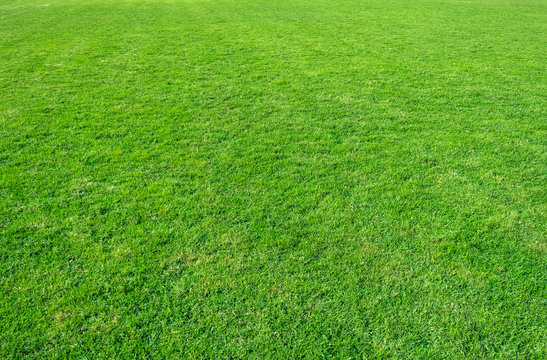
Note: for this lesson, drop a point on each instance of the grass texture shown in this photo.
(279, 179)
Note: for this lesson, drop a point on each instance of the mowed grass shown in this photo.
(273, 179)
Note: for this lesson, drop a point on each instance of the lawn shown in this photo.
(282, 179)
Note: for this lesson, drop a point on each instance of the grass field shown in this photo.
(273, 179)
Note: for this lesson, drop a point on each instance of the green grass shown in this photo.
(273, 179)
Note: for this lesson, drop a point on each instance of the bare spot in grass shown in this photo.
(368, 246)
(538, 245)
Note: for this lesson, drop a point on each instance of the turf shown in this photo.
(273, 179)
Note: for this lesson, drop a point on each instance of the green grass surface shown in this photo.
(273, 179)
